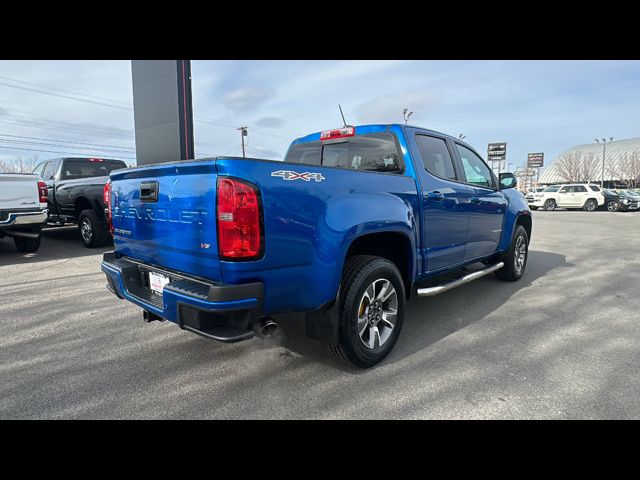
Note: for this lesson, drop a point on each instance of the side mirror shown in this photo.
(507, 180)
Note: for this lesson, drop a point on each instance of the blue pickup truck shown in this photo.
(354, 222)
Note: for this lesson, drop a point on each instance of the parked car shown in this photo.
(23, 209)
(533, 196)
(621, 200)
(573, 196)
(353, 223)
(76, 189)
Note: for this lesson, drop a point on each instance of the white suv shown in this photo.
(575, 195)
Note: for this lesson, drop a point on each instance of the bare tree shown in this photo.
(568, 166)
(589, 167)
(19, 165)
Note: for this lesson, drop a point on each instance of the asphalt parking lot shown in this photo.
(564, 342)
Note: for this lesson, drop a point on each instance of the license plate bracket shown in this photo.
(157, 281)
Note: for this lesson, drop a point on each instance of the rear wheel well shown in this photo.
(393, 246)
(83, 203)
(525, 221)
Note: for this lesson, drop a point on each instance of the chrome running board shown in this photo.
(431, 291)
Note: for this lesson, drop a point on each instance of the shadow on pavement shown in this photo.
(429, 320)
(57, 244)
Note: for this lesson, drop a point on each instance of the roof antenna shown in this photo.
(345, 122)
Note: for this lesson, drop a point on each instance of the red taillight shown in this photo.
(107, 205)
(338, 133)
(43, 192)
(238, 214)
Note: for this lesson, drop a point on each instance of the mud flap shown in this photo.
(324, 324)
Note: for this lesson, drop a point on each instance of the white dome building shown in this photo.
(583, 163)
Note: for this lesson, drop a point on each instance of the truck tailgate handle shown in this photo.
(435, 195)
(149, 191)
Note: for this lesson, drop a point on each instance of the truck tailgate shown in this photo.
(18, 191)
(164, 215)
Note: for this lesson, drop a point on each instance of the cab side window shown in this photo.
(565, 190)
(475, 169)
(435, 157)
(49, 171)
(39, 170)
(579, 188)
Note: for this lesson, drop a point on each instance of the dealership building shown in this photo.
(583, 163)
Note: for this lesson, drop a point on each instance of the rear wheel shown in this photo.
(550, 205)
(515, 259)
(92, 231)
(372, 303)
(27, 245)
(613, 206)
(590, 205)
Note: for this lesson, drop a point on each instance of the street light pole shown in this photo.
(604, 154)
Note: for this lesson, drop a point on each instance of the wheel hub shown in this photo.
(377, 313)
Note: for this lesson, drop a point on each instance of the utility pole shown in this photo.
(244, 134)
(604, 153)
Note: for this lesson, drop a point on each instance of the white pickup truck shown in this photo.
(23, 209)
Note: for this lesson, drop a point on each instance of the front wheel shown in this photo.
(372, 301)
(515, 259)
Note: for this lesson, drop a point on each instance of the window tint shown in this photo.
(566, 190)
(374, 152)
(595, 188)
(475, 169)
(579, 188)
(305, 153)
(551, 189)
(49, 171)
(81, 168)
(435, 156)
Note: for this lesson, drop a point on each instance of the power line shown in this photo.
(83, 154)
(65, 141)
(64, 90)
(67, 97)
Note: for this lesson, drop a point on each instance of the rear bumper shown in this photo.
(14, 219)
(221, 312)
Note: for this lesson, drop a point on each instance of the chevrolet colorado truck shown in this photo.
(76, 187)
(346, 229)
(23, 209)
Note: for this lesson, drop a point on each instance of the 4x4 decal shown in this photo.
(291, 175)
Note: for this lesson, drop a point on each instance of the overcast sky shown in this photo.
(56, 108)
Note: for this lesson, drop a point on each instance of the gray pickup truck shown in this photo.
(76, 194)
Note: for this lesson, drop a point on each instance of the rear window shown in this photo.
(81, 168)
(595, 188)
(377, 152)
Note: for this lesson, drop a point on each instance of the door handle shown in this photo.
(435, 195)
(475, 200)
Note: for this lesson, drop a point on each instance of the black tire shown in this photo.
(93, 232)
(360, 272)
(590, 205)
(613, 206)
(549, 205)
(27, 245)
(512, 270)
(533, 208)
